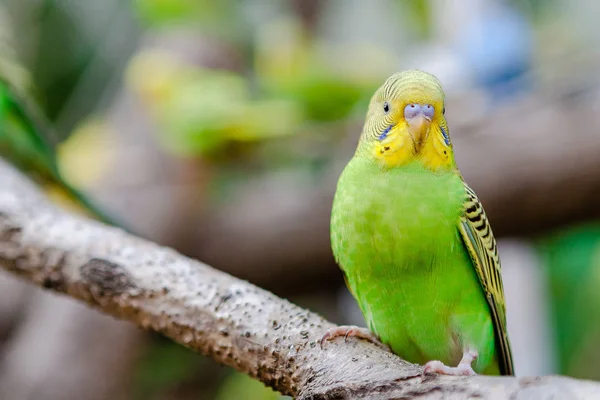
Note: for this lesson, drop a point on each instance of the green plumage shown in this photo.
(416, 248)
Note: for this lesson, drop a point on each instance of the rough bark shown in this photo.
(234, 322)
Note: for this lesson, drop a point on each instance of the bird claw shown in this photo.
(354, 331)
(462, 369)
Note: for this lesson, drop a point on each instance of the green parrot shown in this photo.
(22, 144)
(413, 240)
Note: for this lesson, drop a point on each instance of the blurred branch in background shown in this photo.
(216, 314)
(533, 171)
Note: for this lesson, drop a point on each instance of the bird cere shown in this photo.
(416, 248)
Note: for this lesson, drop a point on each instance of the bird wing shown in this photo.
(481, 244)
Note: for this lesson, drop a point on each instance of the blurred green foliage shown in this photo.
(536, 9)
(290, 89)
(200, 110)
(163, 366)
(209, 17)
(241, 386)
(572, 259)
(59, 48)
(419, 16)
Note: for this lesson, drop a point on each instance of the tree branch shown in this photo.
(218, 315)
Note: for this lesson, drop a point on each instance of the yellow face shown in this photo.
(406, 123)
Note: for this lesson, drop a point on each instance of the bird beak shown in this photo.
(418, 128)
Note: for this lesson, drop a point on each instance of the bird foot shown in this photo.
(354, 331)
(462, 369)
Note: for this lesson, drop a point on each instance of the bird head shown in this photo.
(406, 123)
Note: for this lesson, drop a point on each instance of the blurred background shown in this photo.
(220, 128)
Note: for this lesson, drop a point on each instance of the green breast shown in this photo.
(406, 212)
(394, 233)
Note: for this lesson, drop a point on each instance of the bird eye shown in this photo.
(428, 110)
(444, 111)
(386, 107)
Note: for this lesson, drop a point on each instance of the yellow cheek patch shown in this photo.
(394, 151)
(436, 154)
(397, 149)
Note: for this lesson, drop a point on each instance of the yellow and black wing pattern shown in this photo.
(479, 240)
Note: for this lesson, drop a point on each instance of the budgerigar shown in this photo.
(413, 240)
